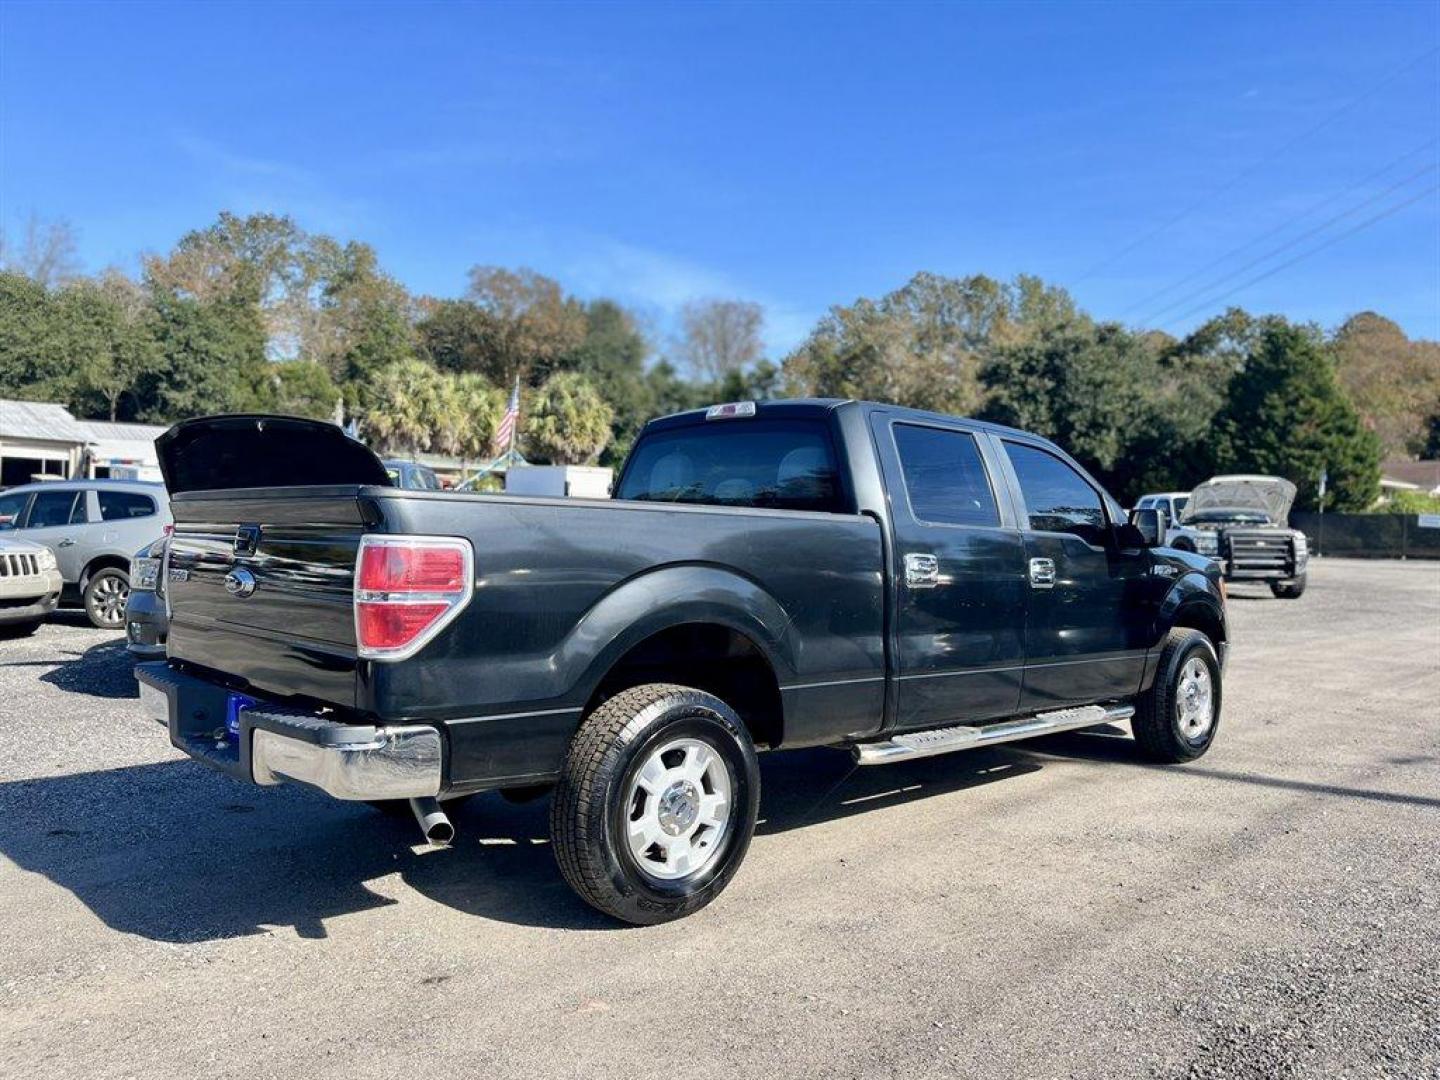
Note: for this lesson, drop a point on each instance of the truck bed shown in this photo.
(564, 588)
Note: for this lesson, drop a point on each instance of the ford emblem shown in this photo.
(240, 582)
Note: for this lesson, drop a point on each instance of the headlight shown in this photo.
(1302, 547)
(47, 560)
(1207, 543)
(144, 573)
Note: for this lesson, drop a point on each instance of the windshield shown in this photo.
(1229, 513)
(777, 464)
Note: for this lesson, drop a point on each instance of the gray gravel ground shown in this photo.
(1053, 910)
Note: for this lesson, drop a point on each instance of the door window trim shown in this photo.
(985, 467)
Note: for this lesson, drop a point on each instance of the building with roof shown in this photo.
(1406, 474)
(41, 440)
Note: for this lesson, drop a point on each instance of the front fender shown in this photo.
(667, 597)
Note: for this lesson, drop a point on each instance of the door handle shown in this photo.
(67, 542)
(1042, 573)
(922, 571)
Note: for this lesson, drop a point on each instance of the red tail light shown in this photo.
(406, 589)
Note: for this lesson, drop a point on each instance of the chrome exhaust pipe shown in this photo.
(434, 822)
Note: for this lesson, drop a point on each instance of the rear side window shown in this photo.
(119, 505)
(778, 464)
(52, 508)
(945, 477)
(1057, 498)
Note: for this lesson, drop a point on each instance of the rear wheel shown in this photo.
(1176, 719)
(656, 804)
(1289, 590)
(105, 597)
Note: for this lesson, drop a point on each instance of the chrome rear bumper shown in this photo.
(274, 744)
(398, 763)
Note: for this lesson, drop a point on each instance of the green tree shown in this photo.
(924, 345)
(212, 358)
(33, 364)
(612, 357)
(1394, 382)
(1082, 385)
(568, 422)
(530, 323)
(410, 407)
(455, 336)
(475, 415)
(107, 327)
(1285, 415)
(303, 388)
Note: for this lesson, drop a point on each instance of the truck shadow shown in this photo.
(103, 670)
(174, 853)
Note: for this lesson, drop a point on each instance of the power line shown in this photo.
(1141, 304)
(1230, 275)
(1331, 242)
(1247, 173)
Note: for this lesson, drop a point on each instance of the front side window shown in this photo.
(121, 505)
(52, 508)
(11, 507)
(1057, 498)
(774, 464)
(945, 477)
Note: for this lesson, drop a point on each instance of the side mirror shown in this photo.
(1150, 526)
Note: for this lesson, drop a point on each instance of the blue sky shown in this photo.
(799, 155)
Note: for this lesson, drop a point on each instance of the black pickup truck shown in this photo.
(772, 575)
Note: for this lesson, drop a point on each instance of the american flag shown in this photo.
(505, 433)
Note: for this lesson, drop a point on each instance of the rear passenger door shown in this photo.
(958, 565)
(1088, 612)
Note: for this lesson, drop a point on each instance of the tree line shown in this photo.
(255, 314)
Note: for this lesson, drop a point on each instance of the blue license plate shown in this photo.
(235, 704)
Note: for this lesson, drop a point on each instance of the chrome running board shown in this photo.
(918, 744)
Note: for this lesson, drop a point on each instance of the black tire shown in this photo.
(19, 629)
(1184, 545)
(105, 596)
(590, 810)
(1289, 590)
(1157, 722)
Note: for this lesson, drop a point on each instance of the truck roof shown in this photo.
(781, 408)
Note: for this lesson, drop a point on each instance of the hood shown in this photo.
(16, 546)
(1268, 495)
(220, 453)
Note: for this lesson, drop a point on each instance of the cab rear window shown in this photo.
(771, 464)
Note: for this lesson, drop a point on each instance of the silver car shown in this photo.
(93, 527)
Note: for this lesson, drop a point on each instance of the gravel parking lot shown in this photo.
(1046, 910)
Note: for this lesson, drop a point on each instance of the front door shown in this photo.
(55, 520)
(958, 562)
(1088, 615)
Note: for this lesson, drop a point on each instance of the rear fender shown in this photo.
(668, 597)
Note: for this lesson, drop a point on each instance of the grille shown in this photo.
(1260, 551)
(19, 565)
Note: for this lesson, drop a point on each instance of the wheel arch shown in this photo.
(696, 625)
(107, 561)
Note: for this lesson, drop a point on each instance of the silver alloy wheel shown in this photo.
(108, 599)
(1195, 699)
(679, 809)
